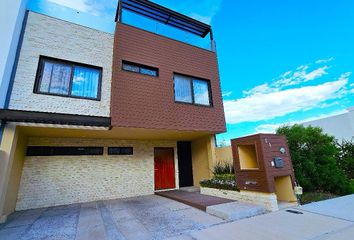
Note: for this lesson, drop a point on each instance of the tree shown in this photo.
(313, 154)
(346, 158)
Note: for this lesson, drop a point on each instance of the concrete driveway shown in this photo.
(148, 217)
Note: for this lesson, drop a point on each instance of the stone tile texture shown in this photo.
(51, 37)
(146, 217)
(58, 180)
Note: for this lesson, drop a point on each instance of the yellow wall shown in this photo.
(203, 158)
(248, 156)
(12, 149)
(224, 155)
(284, 189)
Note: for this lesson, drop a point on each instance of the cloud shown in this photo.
(302, 74)
(326, 60)
(227, 94)
(80, 5)
(94, 7)
(259, 106)
(271, 128)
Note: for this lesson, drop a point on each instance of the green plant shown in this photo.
(346, 158)
(315, 197)
(314, 155)
(219, 184)
(225, 177)
(223, 168)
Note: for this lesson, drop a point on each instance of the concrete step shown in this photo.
(235, 210)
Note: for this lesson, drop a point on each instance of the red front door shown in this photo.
(164, 168)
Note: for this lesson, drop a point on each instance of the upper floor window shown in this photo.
(139, 68)
(64, 78)
(192, 90)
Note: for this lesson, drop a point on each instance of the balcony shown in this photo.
(154, 18)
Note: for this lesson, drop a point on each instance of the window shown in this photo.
(59, 77)
(139, 68)
(63, 151)
(192, 90)
(120, 151)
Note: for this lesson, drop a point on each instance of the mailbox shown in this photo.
(278, 162)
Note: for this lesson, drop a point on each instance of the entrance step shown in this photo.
(194, 199)
(235, 210)
(190, 189)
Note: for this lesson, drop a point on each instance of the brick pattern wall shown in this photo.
(267, 146)
(56, 38)
(148, 102)
(58, 180)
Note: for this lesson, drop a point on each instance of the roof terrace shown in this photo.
(163, 21)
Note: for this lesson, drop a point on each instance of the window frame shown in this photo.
(109, 152)
(34, 151)
(192, 90)
(39, 73)
(140, 66)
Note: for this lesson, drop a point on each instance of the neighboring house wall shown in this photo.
(73, 179)
(224, 155)
(340, 126)
(148, 102)
(56, 38)
(12, 13)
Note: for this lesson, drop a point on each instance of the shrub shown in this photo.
(310, 197)
(223, 168)
(219, 184)
(346, 158)
(313, 154)
(225, 177)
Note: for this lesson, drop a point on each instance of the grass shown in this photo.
(309, 197)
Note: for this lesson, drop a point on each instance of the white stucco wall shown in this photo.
(340, 126)
(58, 180)
(56, 38)
(11, 17)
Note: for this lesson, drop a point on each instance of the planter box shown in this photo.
(267, 200)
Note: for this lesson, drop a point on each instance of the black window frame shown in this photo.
(192, 90)
(41, 63)
(119, 151)
(140, 66)
(64, 151)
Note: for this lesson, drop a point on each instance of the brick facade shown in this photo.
(148, 102)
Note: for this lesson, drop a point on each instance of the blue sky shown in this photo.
(280, 61)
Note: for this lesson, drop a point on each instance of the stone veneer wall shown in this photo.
(60, 39)
(268, 200)
(57, 180)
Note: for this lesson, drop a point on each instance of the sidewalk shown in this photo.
(330, 220)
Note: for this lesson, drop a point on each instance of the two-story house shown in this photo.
(99, 116)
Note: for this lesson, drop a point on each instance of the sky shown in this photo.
(281, 61)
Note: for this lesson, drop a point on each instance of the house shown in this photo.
(14, 11)
(95, 116)
(341, 126)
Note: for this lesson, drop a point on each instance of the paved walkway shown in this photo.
(328, 220)
(148, 217)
